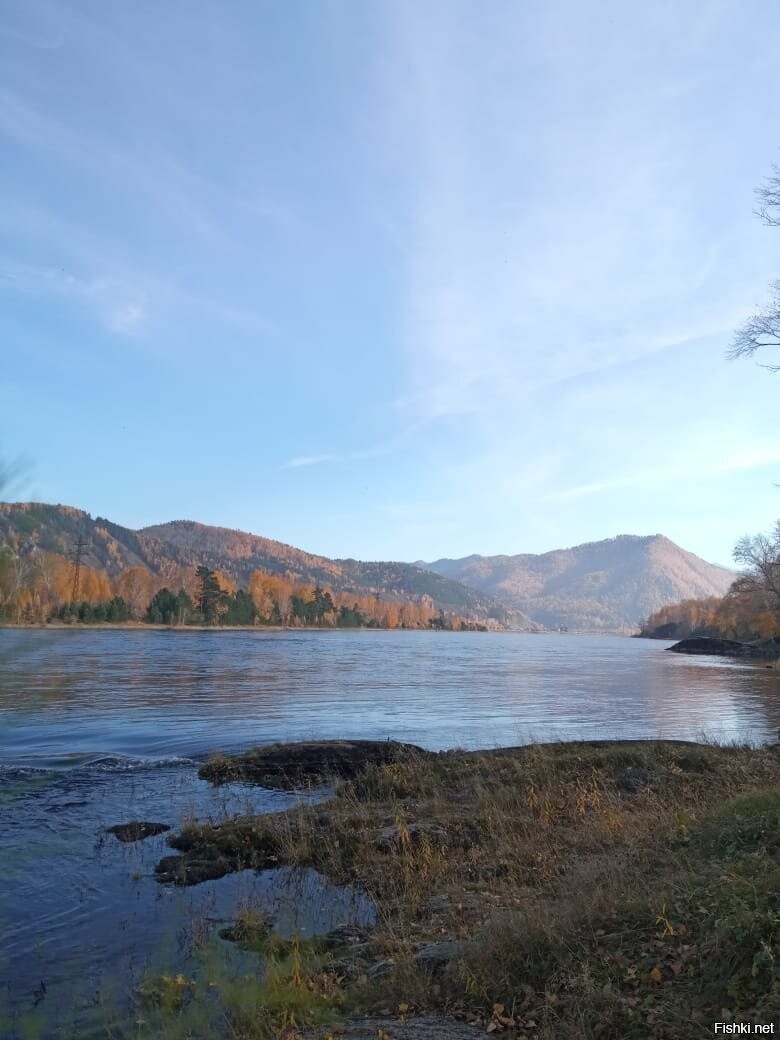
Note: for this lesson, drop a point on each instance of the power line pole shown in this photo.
(77, 553)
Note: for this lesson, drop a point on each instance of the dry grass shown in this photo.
(596, 890)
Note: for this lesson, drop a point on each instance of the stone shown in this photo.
(137, 830)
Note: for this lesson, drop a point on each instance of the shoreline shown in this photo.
(142, 626)
(519, 890)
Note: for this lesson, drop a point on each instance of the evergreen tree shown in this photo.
(163, 608)
(184, 607)
(241, 609)
(211, 598)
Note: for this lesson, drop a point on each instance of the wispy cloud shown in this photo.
(98, 270)
(374, 452)
(120, 306)
(569, 253)
(695, 467)
(310, 460)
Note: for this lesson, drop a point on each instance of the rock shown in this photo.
(346, 936)
(137, 830)
(435, 955)
(703, 645)
(287, 766)
(768, 649)
(186, 870)
(379, 970)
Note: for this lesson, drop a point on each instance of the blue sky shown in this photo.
(391, 280)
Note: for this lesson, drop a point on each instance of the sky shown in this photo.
(391, 280)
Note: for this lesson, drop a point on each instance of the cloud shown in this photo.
(309, 460)
(553, 220)
(375, 451)
(122, 296)
(733, 461)
(118, 305)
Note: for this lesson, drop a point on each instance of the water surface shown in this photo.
(98, 727)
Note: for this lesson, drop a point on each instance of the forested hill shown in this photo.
(610, 585)
(169, 550)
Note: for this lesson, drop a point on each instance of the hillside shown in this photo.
(165, 549)
(610, 585)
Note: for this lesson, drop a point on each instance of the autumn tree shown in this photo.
(136, 586)
(762, 330)
(271, 595)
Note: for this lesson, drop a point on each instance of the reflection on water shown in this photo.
(99, 727)
(156, 694)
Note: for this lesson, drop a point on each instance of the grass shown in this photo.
(583, 890)
(588, 890)
(274, 997)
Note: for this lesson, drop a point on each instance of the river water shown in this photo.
(99, 727)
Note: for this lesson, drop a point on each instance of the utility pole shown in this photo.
(77, 553)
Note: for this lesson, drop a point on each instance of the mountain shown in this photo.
(610, 585)
(167, 548)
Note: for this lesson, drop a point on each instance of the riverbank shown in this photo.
(766, 650)
(143, 626)
(614, 889)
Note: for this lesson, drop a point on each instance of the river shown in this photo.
(102, 726)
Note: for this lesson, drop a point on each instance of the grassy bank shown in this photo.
(571, 890)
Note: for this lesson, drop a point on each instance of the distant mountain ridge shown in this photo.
(165, 549)
(610, 585)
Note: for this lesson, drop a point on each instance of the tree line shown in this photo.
(38, 587)
(750, 610)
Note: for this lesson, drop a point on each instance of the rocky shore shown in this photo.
(623, 887)
(765, 650)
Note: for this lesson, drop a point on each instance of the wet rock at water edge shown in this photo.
(137, 830)
(702, 645)
(764, 650)
(187, 870)
(287, 766)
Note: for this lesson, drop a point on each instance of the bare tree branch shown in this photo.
(768, 196)
(760, 556)
(762, 330)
